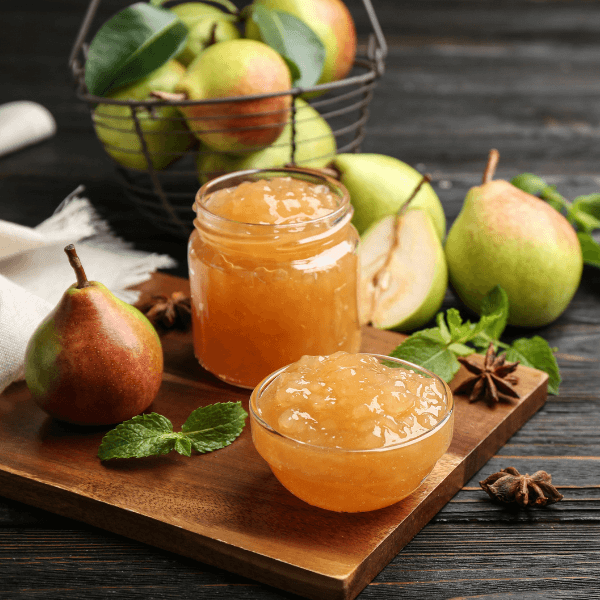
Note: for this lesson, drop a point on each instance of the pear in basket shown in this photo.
(315, 147)
(164, 130)
(235, 68)
(330, 20)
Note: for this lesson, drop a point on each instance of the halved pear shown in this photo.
(404, 275)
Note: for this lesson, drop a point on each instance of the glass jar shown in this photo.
(263, 295)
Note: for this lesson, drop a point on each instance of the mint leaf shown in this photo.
(214, 426)
(297, 43)
(208, 428)
(429, 353)
(131, 45)
(535, 352)
(590, 249)
(436, 349)
(144, 435)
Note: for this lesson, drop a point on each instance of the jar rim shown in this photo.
(253, 409)
(237, 177)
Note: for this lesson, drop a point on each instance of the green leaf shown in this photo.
(144, 435)
(425, 352)
(297, 43)
(495, 308)
(590, 249)
(532, 184)
(535, 352)
(131, 45)
(585, 212)
(214, 426)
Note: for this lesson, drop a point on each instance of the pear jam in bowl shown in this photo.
(273, 272)
(351, 432)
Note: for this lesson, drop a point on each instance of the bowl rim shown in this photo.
(256, 418)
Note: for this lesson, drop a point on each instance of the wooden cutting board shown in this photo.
(226, 508)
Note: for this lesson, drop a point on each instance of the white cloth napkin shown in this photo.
(35, 272)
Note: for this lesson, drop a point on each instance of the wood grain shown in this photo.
(226, 508)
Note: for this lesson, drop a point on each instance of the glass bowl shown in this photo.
(351, 480)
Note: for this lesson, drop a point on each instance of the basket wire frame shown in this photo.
(165, 196)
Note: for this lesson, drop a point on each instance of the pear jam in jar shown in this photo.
(351, 432)
(273, 272)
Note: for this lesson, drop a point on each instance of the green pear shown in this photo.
(165, 132)
(315, 146)
(235, 68)
(504, 236)
(206, 25)
(94, 360)
(403, 271)
(379, 185)
(332, 23)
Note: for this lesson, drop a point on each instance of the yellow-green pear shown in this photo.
(315, 146)
(165, 132)
(403, 271)
(505, 236)
(380, 185)
(206, 24)
(332, 23)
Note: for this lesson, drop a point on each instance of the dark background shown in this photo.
(462, 76)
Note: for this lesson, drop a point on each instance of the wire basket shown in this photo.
(162, 183)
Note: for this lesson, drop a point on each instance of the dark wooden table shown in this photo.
(462, 77)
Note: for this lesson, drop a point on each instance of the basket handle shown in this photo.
(377, 49)
(83, 31)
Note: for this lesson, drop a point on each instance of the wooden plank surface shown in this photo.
(226, 508)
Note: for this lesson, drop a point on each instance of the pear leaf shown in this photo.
(590, 249)
(297, 43)
(131, 45)
(535, 352)
(585, 212)
(532, 184)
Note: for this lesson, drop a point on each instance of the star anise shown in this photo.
(169, 312)
(491, 382)
(509, 486)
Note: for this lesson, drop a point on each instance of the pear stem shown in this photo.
(74, 261)
(425, 179)
(490, 168)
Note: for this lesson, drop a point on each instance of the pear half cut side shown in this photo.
(404, 275)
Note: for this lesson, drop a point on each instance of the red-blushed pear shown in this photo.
(235, 68)
(505, 236)
(332, 23)
(315, 146)
(94, 360)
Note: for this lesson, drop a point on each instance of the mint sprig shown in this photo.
(583, 213)
(208, 428)
(436, 348)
